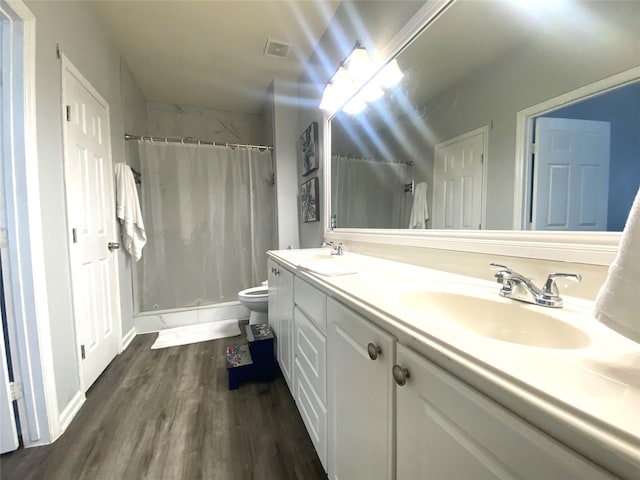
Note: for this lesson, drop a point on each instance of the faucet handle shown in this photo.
(502, 268)
(550, 289)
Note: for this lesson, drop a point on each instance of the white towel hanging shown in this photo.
(420, 208)
(617, 301)
(128, 211)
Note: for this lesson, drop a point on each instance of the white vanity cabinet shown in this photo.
(311, 363)
(360, 358)
(281, 316)
(447, 430)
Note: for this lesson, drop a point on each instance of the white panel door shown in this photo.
(458, 182)
(571, 174)
(91, 222)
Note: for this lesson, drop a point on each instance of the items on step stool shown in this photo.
(254, 361)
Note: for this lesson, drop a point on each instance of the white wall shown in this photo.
(167, 120)
(82, 39)
(134, 112)
(285, 135)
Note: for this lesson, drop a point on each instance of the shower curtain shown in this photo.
(369, 194)
(209, 213)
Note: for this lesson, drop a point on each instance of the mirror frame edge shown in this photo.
(592, 248)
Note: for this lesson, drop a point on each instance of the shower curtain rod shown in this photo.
(409, 163)
(194, 141)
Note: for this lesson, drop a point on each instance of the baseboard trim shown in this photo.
(128, 338)
(69, 412)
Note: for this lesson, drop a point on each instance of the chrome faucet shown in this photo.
(517, 287)
(335, 249)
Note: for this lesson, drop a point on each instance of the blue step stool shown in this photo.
(254, 361)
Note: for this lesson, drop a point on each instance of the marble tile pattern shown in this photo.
(166, 120)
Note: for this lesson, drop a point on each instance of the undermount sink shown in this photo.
(500, 319)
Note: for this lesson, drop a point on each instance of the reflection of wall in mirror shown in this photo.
(533, 72)
(354, 137)
(552, 63)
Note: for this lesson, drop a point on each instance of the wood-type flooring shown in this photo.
(168, 415)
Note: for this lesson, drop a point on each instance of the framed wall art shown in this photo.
(309, 158)
(309, 201)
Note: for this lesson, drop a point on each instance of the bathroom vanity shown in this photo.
(405, 372)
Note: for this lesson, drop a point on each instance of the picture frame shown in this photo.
(308, 150)
(310, 201)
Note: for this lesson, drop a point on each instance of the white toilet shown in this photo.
(256, 299)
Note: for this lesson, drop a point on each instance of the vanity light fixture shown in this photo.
(351, 76)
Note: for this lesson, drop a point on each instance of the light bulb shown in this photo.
(390, 75)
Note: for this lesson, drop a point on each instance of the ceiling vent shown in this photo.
(277, 49)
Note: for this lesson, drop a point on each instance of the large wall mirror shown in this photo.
(511, 115)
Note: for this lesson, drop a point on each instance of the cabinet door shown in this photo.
(360, 397)
(448, 430)
(281, 310)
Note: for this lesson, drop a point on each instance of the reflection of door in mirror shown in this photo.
(571, 174)
(458, 181)
(601, 196)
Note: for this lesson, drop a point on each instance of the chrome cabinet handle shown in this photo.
(373, 350)
(113, 246)
(400, 375)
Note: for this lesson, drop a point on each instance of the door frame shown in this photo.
(66, 65)
(26, 291)
(485, 164)
(524, 136)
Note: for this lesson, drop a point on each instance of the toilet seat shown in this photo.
(256, 299)
(255, 292)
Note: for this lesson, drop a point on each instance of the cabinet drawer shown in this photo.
(446, 429)
(313, 412)
(311, 352)
(311, 301)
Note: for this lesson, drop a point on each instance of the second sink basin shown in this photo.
(500, 319)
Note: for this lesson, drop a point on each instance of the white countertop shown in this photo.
(594, 390)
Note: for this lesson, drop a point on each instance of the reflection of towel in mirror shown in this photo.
(128, 211)
(420, 209)
(617, 301)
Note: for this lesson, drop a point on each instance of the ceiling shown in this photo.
(210, 53)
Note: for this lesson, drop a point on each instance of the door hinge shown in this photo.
(68, 113)
(82, 353)
(482, 158)
(479, 226)
(15, 391)
(74, 233)
(3, 238)
(533, 148)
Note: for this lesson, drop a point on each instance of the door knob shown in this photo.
(373, 350)
(113, 246)
(400, 375)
